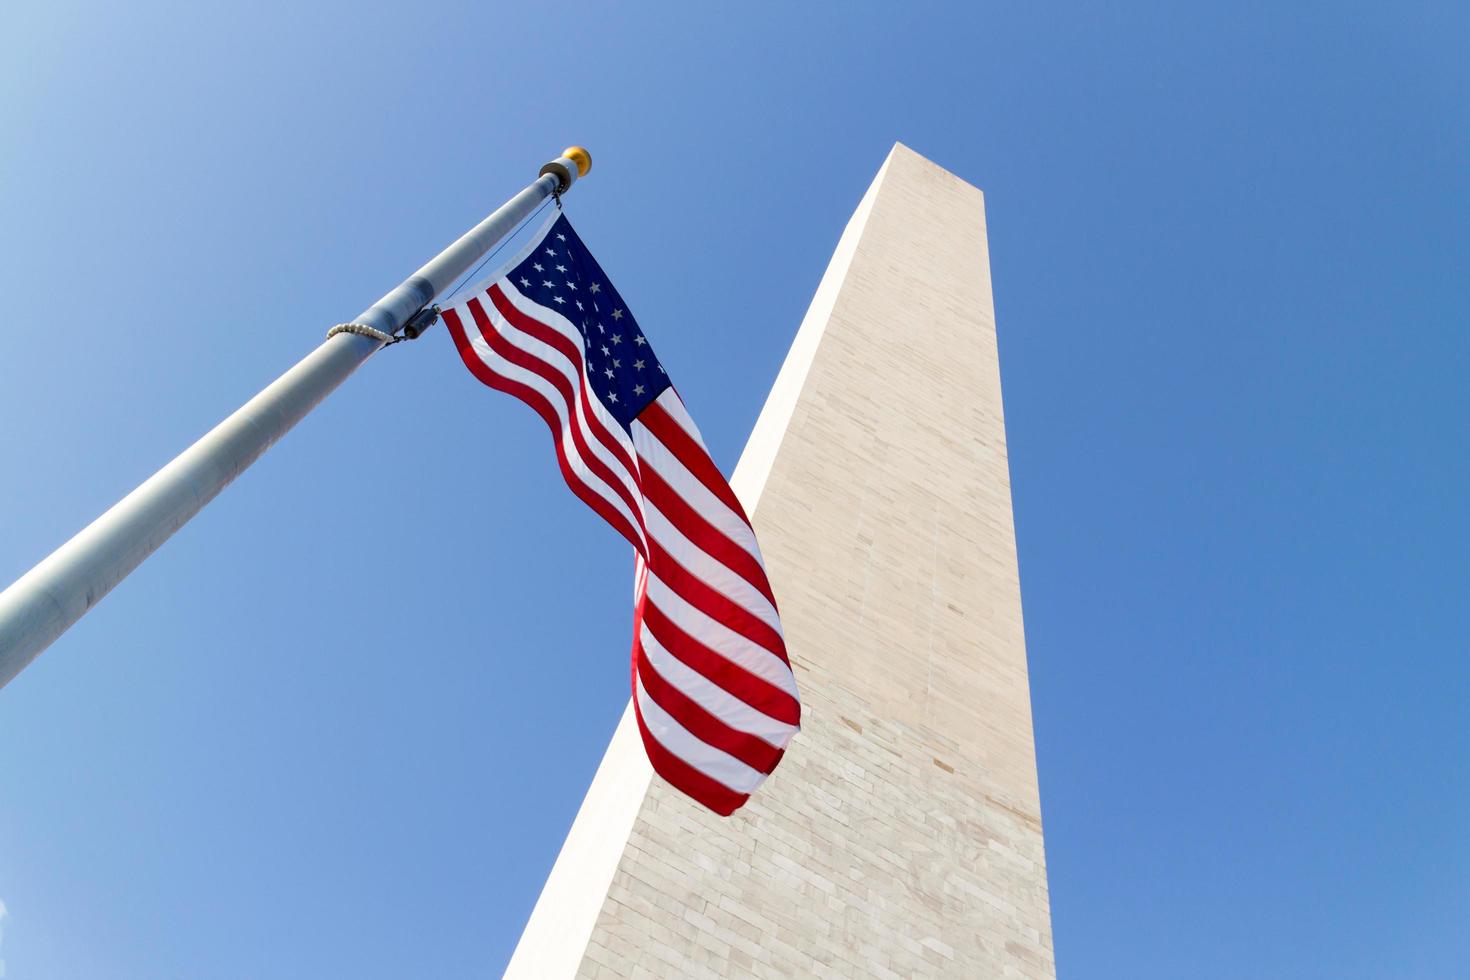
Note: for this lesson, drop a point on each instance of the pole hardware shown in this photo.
(421, 321)
(574, 162)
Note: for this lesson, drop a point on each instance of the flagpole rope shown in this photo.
(504, 242)
(363, 330)
(387, 339)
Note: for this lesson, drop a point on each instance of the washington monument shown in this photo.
(902, 835)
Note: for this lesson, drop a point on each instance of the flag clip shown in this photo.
(420, 321)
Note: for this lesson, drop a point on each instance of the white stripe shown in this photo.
(548, 315)
(515, 372)
(709, 569)
(655, 455)
(563, 326)
(640, 575)
(721, 639)
(712, 697)
(581, 398)
(715, 763)
(674, 405)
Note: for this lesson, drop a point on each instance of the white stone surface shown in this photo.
(555, 938)
(901, 836)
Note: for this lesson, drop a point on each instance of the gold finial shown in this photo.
(579, 156)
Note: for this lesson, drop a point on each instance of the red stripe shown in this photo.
(542, 407)
(703, 725)
(534, 328)
(703, 534)
(530, 325)
(690, 453)
(685, 778)
(710, 601)
(572, 443)
(559, 381)
(735, 680)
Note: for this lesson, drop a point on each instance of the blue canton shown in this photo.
(562, 275)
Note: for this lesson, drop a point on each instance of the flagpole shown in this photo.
(47, 600)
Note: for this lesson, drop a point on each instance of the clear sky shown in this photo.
(340, 724)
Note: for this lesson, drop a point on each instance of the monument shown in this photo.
(901, 836)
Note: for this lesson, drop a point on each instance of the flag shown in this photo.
(713, 691)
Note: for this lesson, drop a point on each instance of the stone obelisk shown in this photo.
(901, 836)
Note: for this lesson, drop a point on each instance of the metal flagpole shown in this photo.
(43, 603)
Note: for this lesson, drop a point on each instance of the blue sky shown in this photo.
(339, 725)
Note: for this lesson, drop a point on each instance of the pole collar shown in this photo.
(574, 162)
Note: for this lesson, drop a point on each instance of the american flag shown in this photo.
(713, 691)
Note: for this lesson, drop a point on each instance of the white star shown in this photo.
(558, 299)
(595, 288)
(560, 237)
(661, 369)
(637, 389)
(551, 252)
(525, 282)
(538, 267)
(617, 338)
(639, 340)
(612, 396)
(605, 351)
(617, 363)
(617, 314)
(548, 283)
(561, 269)
(579, 305)
(608, 372)
(571, 285)
(638, 365)
(600, 327)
